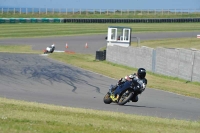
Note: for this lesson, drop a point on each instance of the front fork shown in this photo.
(111, 89)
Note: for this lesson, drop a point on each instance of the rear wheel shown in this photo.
(107, 99)
(125, 97)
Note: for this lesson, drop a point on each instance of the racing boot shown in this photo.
(135, 98)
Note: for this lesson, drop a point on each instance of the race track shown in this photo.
(37, 78)
(95, 42)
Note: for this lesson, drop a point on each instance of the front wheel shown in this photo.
(107, 99)
(125, 97)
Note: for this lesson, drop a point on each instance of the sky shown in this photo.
(103, 4)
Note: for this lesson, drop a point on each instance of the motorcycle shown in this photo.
(49, 50)
(126, 95)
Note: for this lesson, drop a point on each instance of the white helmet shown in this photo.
(52, 45)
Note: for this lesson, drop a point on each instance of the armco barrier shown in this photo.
(98, 20)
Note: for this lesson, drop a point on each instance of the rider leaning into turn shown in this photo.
(50, 48)
(139, 84)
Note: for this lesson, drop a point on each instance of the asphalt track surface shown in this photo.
(94, 42)
(37, 78)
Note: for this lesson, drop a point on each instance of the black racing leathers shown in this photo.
(137, 84)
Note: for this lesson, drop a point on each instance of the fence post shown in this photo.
(26, 11)
(100, 11)
(154, 61)
(73, 11)
(46, 11)
(20, 11)
(8, 11)
(66, 11)
(193, 65)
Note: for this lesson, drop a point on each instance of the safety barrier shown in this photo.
(98, 20)
(134, 20)
(101, 55)
(178, 62)
(31, 20)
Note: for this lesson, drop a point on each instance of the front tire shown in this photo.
(107, 99)
(125, 97)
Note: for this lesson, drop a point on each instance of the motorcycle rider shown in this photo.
(51, 48)
(139, 85)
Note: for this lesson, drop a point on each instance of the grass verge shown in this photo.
(186, 43)
(88, 62)
(17, 49)
(19, 116)
(41, 29)
(118, 14)
(116, 71)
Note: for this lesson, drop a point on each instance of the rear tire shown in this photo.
(107, 99)
(124, 98)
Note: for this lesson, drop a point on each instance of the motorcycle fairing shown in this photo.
(123, 87)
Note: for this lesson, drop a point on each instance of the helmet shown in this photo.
(141, 73)
(52, 45)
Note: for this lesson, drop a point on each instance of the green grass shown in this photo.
(103, 15)
(88, 62)
(186, 43)
(116, 71)
(17, 49)
(17, 116)
(28, 117)
(40, 29)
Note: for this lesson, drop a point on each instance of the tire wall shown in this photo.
(99, 20)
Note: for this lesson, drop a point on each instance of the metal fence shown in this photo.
(74, 11)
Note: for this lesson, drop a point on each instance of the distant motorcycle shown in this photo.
(124, 97)
(49, 49)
